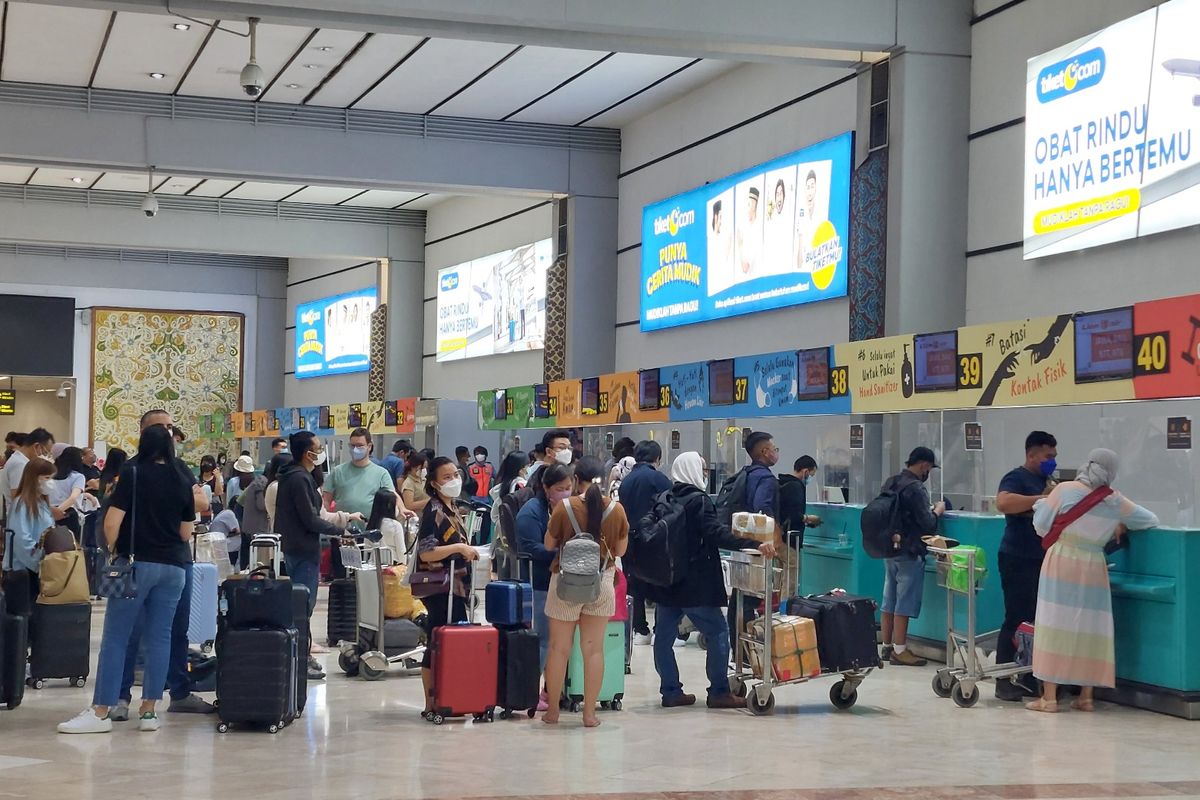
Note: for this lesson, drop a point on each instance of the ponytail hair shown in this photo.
(589, 472)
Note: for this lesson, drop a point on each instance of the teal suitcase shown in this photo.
(612, 688)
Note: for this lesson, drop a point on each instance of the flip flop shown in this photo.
(1041, 704)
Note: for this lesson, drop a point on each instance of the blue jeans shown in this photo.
(159, 587)
(541, 624)
(708, 621)
(178, 680)
(307, 573)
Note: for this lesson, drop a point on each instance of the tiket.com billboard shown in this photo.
(1112, 133)
(773, 236)
(333, 335)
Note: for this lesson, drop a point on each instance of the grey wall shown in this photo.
(460, 230)
(733, 98)
(1000, 285)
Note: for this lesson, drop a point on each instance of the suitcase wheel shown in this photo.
(437, 719)
(506, 714)
(576, 706)
(273, 728)
(615, 705)
(222, 727)
(531, 713)
(207, 647)
(36, 683)
(78, 683)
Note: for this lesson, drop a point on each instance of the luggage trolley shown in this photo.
(754, 575)
(961, 683)
(370, 655)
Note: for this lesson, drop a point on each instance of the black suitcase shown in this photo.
(258, 600)
(300, 622)
(95, 559)
(342, 612)
(256, 677)
(14, 649)
(520, 675)
(845, 627)
(60, 639)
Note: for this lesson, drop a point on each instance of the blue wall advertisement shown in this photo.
(333, 335)
(772, 236)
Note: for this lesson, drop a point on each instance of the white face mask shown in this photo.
(320, 459)
(452, 488)
(480, 457)
(422, 473)
(563, 456)
(45, 484)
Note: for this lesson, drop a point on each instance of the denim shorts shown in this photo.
(903, 585)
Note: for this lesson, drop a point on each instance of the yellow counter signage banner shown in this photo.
(339, 418)
(569, 413)
(618, 402)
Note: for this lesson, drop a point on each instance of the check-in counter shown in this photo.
(1155, 587)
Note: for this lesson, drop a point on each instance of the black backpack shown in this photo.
(659, 548)
(507, 550)
(732, 497)
(881, 519)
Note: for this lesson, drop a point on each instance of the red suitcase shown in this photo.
(465, 670)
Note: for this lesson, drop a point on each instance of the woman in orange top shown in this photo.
(612, 533)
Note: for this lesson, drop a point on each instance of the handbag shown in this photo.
(116, 581)
(1093, 499)
(58, 539)
(64, 579)
(428, 581)
(261, 600)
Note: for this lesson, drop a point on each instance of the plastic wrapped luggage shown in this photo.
(14, 649)
(342, 610)
(60, 638)
(845, 629)
(202, 623)
(612, 688)
(520, 679)
(256, 677)
(509, 604)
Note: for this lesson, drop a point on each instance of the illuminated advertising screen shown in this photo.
(494, 304)
(1104, 345)
(812, 374)
(333, 335)
(937, 361)
(1112, 133)
(773, 236)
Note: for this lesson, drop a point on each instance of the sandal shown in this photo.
(1044, 705)
(1084, 705)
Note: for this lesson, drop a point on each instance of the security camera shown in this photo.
(61, 394)
(253, 80)
(150, 205)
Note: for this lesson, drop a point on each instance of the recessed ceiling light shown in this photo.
(325, 49)
(312, 66)
(158, 76)
(76, 179)
(181, 26)
(178, 185)
(293, 86)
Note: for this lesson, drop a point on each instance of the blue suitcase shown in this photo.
(509, 603)
(202, 624)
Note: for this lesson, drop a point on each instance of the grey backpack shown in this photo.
(580, 566)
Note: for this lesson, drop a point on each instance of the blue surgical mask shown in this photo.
(1048, 467)
(806, 479)
(358, 453)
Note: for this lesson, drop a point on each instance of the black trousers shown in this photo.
(1019, 579)
(749, 613)
(638, 616)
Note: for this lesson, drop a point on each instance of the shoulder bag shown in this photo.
(116, 580)
(429, 579)
(1093, 499)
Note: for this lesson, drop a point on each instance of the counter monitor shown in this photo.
(589, 390)
(541, 401)
(1104, 345)
(500, 406)
(720, 382)
(936, 361)
(648, 399)
(812, 374)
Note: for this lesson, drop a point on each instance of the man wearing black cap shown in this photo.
(904, 575)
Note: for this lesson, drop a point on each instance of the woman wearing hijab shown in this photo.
(1073, 633)
(701, 594)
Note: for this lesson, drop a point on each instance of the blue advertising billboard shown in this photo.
(772, 236)
(333, 335)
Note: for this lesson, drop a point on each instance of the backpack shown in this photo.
(580, 565)
(880, 520)
(506, 552)
(660, 548)
(732, 497)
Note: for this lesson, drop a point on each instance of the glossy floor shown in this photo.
(365, 740)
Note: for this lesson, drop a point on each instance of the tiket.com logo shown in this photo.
(450, 282)
(310, 317)
(673, 222)
(1070, 76)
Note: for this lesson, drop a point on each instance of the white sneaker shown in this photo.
(680, 642)
(643, 638)
(149, 722)
(86, 721)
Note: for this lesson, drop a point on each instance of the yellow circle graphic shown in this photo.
(822, 274)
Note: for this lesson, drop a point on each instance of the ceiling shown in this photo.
(82, 178)
(341, 69)
(24, 384)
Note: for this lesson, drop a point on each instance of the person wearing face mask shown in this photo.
(793, 499)
(555, 448)
(38, 443)
(29, 515)
(412, 482)
(701, 594)
(638, 490)
(904, 574)
(1020, 557)
(762, 497)
(351, 487)
(443, 538)
(557, 484)
(298, 521)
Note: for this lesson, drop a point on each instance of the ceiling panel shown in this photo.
(264, 191)
(125, 181)
(618, 77)
(426, 202)
(674, 87)
(49, 44)
(47, 176)
(177, 185)
(437, 70)
(527, 75)
(319, 57)
(375, 58)
(16, 174)
(212, 188)
(216, 71)
(324, 195)
(381, 198)
(144, 43)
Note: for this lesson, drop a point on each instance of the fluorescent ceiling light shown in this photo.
(76, 179)
(158, 76)
(182, 26)
(293, 86)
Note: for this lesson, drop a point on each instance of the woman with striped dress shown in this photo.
(1073, 632)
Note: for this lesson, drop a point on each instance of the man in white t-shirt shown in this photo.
(37, 443)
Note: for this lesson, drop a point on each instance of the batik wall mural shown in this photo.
(187, 362)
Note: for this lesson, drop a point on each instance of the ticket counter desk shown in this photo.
(1155, 586)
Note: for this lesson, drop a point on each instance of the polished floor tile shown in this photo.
(366, 741)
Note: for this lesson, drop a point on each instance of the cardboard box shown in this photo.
(759, 527)
(793, 648)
